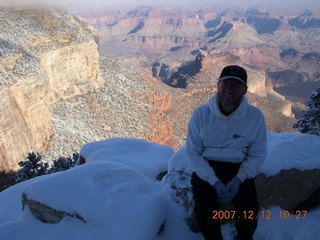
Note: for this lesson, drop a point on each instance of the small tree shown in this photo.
(310, 121)
(64, 163)
(32, 167)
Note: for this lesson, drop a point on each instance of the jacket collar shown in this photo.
(214, 107)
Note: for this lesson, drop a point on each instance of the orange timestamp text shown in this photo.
(232, 214)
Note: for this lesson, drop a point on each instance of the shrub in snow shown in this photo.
(34, 166)
(310, 121)
(31, 168)
(7, 179)
(64, 163)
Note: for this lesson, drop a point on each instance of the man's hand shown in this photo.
(232, 189)
(220, 189)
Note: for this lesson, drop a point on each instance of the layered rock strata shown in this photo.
(282, 43)
(130, 104)
(45, 56)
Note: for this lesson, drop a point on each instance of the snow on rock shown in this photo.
(112, 199)
(291, 150)
(179, 160)
(148, 158)
(281, 225)
(116, 195)
(291, 170)
(10, 200)
(178, 178)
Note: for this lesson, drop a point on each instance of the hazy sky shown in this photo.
(312, 4)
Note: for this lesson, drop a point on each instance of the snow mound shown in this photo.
(117, 196)
(111, 197)
(10, 200)
(291, 150)
(148, 158)
(179, 160)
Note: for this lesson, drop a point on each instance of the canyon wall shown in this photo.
(45, 56)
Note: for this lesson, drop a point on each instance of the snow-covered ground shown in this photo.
(118, 198)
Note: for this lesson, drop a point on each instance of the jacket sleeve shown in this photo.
(195, 147)
(257, 151)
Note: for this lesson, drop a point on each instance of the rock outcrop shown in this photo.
(45, 213)
(289, 189)
(45, 56)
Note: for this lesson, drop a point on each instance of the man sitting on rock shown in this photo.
(226, 145)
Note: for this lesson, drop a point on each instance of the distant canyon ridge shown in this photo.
(66, 81)
(283, 44)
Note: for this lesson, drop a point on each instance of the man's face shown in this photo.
(230, 93)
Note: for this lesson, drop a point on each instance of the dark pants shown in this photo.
(245, 203)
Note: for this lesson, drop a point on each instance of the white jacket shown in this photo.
(239, 137)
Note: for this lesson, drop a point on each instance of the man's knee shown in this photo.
(204, 195)
(247, 196)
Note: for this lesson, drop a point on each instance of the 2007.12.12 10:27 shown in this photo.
(232, 214)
